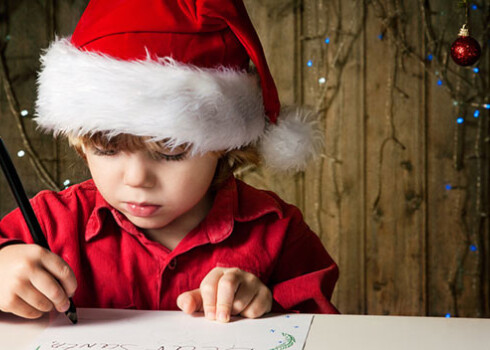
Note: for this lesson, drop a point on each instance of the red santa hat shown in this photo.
(175, 71)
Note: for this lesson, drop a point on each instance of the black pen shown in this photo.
(26, 209)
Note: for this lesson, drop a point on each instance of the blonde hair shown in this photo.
(228, 163)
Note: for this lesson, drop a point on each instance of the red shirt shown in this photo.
(117, 266)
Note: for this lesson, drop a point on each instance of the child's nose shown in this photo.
(137, 172)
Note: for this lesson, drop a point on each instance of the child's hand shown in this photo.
(33, 281)
(228, 291)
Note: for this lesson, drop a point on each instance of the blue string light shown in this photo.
(448, 187)
(473, 248)
(476, 69)
(327, 40)
(474, 7)
(486, 106)
(460, 120)
(439, 82)
(380, 36)
(476, 114)
(430, 57)
(448, 315)
(309, 63)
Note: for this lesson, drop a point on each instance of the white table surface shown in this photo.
(331, 332)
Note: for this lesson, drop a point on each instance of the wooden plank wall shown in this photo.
(377, 198)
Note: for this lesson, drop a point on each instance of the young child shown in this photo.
(159, 102)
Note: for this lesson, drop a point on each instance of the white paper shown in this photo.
(111, 329)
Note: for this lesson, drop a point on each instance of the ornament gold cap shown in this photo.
(464, 31)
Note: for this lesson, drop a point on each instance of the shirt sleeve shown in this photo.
(305, 276)
(13, 229)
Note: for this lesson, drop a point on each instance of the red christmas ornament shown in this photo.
(465, 50)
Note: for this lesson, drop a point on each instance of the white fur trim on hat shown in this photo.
(293, 141)
(82, 92)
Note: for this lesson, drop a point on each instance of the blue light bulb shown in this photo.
(476, 114)
(309, 63)
(327, 40)
(460, 120)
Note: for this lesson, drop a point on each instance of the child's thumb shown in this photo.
(190, 301)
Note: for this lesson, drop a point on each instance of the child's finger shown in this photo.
(259, 305)
(61, 271)
(190, 301)
(21, 308)
(49, 286)
(227, 286)
(208, 287)
(35, 298)
(243, 297)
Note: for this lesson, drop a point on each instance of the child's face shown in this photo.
(152, 189)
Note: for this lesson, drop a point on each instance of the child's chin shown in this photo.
(146, 223)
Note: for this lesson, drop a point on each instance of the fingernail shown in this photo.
(65, 306)
(184, 306)
(222, 316)
(210, 315)
(180, 304)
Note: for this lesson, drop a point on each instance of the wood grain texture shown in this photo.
(395, 174)
(21, 59)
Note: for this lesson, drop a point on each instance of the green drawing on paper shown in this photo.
(289, 341)
(39, 347)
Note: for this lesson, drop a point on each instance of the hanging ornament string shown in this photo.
(465, 50)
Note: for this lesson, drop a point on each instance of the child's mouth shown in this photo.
(141, 209)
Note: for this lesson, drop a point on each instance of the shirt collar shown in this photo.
(234, 201)
(237, 201)
(97, 217)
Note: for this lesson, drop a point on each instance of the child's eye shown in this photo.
(169, 157)
(103, 152)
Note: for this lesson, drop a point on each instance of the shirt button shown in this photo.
(172, 264)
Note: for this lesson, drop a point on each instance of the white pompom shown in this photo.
(294, 141)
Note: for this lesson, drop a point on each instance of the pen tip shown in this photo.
(72, 316)
(72, 313)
